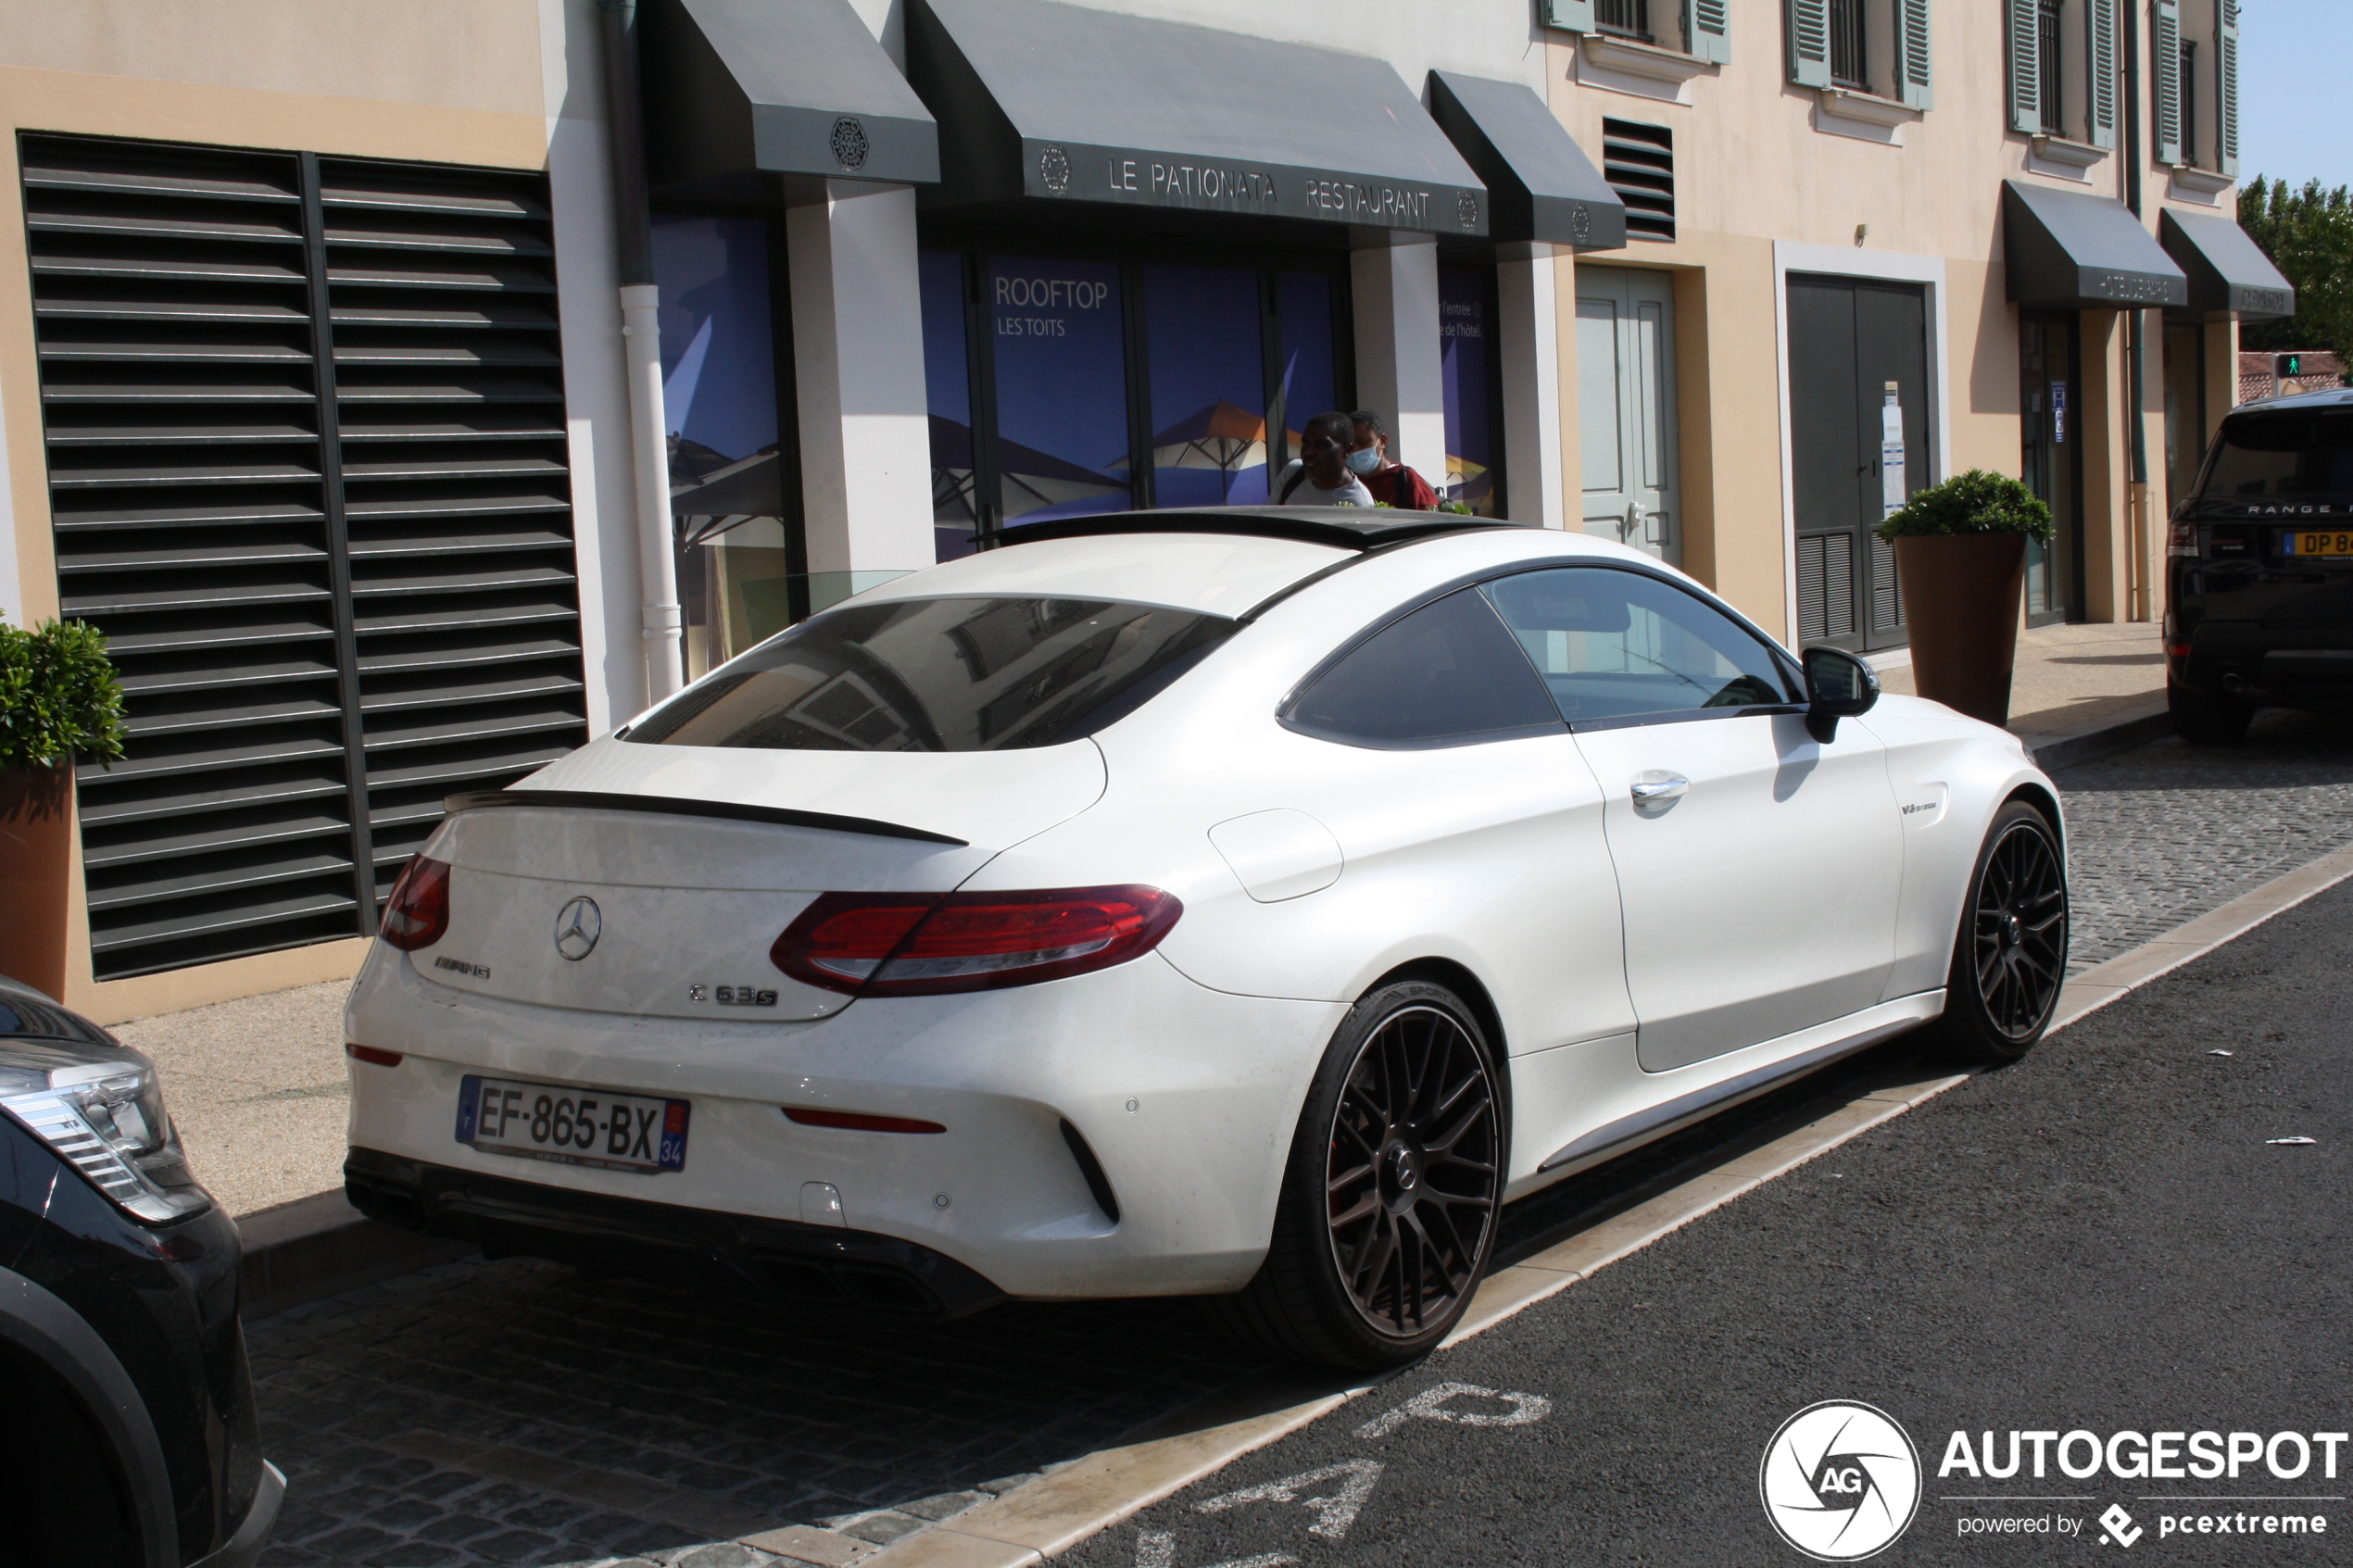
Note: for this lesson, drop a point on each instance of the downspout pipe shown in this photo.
(2136, 348)
(641, 347)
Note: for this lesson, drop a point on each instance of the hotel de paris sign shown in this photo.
(1142, 179)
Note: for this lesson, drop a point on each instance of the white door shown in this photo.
(1626, 407)
(1758, 869)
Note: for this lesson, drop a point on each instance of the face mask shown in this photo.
(1366, 462)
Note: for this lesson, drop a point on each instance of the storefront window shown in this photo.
(1029, 395)
(1061, 357)
(1208, 386)
(1472, 438)
(955, 509)
(1307, 378)
(719, 394)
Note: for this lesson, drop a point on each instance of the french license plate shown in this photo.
(575, 1127)
(2316, 542)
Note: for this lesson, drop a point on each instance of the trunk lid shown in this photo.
(687, 904)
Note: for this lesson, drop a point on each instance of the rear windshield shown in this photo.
(2284, 454)
(946, 674)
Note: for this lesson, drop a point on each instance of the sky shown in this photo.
(2295, 120)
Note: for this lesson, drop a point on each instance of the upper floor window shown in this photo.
(1876, 46)
(2189, 101)
(1849, 62)
(2064, 73)
(2050, 98)
(1630, 19)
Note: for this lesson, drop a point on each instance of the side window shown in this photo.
(1620, 645)
(1448, 674)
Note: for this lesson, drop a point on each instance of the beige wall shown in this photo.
(443, 80)
(1751, 167)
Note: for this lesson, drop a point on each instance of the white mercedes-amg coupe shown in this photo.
(1242, 903)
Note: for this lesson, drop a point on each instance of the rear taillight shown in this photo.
(902, 945)
(2181, 540)
(418, 913)
(371, 1055)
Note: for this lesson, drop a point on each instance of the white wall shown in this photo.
(596, 393)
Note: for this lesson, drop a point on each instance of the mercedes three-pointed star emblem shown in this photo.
(578, 924)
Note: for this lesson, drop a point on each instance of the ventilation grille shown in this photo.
(1825, 586)
(1887, 597)
(306, 458)
(1639, 163)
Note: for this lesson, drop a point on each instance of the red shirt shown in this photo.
(1403, 488)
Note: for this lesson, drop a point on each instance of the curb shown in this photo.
(321, 1246)
(2101, 737)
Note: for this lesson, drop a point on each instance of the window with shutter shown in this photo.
(2165, 81)
(2099, 58)
(2051, 91)
(2026, 66)
(304, 422)
(1848, 47)
(1809, 42)
(1912, 58)
(1709, 31)
(2226, 88)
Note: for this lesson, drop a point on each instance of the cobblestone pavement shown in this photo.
(2164, 833)
(514, 1413)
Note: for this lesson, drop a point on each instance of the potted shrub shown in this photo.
(58, 701)
(1960, 560)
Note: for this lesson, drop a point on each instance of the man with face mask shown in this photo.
(1319, 476)
(1392, 484)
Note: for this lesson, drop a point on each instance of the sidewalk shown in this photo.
(2076, 691)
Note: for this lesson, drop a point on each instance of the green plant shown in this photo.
(1980, 501)
(58, 696)
(2309, 236)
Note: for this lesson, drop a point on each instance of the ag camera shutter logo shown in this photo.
(1840, 1481)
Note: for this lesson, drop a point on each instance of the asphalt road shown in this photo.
(2099, 1239)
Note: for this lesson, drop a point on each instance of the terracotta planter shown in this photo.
(1962, 595)
(36, 819)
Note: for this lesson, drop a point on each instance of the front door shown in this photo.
(1626, 407)
(1849, 340)
(1757, 870)
(2052, 441)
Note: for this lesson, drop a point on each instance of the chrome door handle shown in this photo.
(1656, 788)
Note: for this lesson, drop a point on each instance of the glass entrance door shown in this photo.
(2049, 417)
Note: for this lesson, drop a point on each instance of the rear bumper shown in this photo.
(598, 1234)
(1185, 1098)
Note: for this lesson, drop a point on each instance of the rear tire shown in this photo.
(2202, 719)
(2010, 957)
(1391, 1194)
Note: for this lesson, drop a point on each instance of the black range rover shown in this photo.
(2259, 574)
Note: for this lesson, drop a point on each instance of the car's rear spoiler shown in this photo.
(671, 805)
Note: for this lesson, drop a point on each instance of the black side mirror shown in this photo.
(1838, 685)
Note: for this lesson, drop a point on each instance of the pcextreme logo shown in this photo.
(1840, 1481)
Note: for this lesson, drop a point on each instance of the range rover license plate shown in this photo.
(574, 1126)
(2311, 542)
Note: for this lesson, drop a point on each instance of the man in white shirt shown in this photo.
(1319, 476)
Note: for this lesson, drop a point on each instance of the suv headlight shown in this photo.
(107, 1117)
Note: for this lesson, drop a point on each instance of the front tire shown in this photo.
(2009, 958)
(1391, 1194)
(2203, 718)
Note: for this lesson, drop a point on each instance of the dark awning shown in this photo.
(2071, 252)
(1540, 183)
(2231, 279)
(755, 100)
(1061, 104)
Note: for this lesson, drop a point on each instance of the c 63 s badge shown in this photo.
(732, 996)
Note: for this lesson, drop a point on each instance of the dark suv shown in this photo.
(2259, 574)
(127, 1430)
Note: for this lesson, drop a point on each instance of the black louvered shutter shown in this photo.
(306, 449)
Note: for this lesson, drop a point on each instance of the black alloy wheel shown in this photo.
(1392, 1192)
(2009, 959)
(1412, 1183)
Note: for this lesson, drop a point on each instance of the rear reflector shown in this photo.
(919, 944)
(371, 1054)
(859, 1122)
(418, 913)
(2177, 650)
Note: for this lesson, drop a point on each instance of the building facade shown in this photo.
(398, 445)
